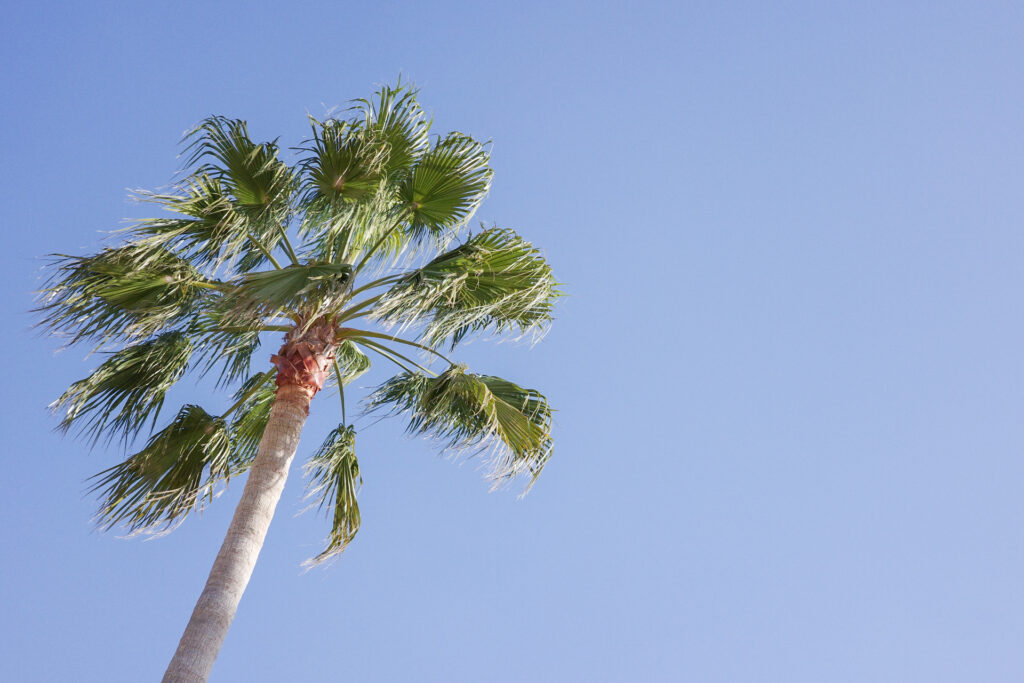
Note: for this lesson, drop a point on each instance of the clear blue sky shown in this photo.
(789, 375)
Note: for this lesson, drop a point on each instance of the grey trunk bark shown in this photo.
(216, 607)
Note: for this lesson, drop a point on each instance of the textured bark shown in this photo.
(302, 365)
(216, 607)
(306, 358)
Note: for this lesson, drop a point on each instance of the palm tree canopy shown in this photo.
(362, 244)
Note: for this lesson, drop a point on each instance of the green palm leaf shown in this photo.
(225, 338)
(251, 417)
(344, 164)
(334, 483)
(127, 292)
(177, 471)
(446, 185)
(494, 280)
(212, 229)
(127, 389)
(352, 362)
(474, 413)
(252, 173)
(396, 119)
(306, 289)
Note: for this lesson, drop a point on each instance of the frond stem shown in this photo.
(264, 251)
(390, 354)
(288, 246)
(374, 248)
(341, 391)
(347, 314)
(376, 283)
(248, 394)
(379, 335)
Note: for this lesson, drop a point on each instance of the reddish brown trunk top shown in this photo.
(306, 358)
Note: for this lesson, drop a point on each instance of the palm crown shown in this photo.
(253, 245)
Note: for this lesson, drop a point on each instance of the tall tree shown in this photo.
(359, 249)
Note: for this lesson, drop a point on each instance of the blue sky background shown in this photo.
(788, 374)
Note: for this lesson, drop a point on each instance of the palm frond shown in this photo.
(343, 165)
(334, 483)
(252, 173)
(352, 362)
(225, 338)
(395, 118)
(308, 288)
(475, 413)
(349, 229)
(494, 280)
(260, 185)
(251, 417)
(212, 231)
(125, 292)
(176, 472)
(446, 185)
(127, 389)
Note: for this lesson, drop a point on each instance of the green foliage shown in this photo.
(125, 292)
(211, 231)
(398, 124)
(344, 165)
(352, 362)
(127, 389)
(334, 482)
(446, 185)
(306, 290)
(176, 472)
(255, 397)
(226, 338)
(200, 287)
(494, 280)
(477, 413)
(257, 180)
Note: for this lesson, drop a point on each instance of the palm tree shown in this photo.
(357, 250)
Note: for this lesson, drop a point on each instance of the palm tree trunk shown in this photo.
(216, 607)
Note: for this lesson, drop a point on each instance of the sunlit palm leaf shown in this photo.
(176, 472)
(475, 413)
(250, 171)
(343, 166)
(251, 418)
(213, 230)
(349, 229)
(225, 339)
(261, 186)
(446, 185)
(396, 119)
(494, 280)
(305, 289)
(352, 362)
(127, 389)
(334, 483)
(127, 292)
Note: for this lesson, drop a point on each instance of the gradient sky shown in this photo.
(788, 373)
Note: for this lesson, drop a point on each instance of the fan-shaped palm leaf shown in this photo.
(128, 292)
(177, 471)
(251, 171)
(306, 289)
(344, 165)
(255, 397)
(127, 389)
(475, 413)
(213, 230)
(396, 119)
(494, 280)
(446, 185)
(334, 483)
